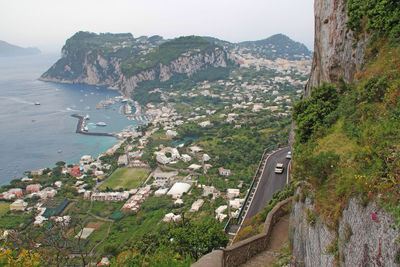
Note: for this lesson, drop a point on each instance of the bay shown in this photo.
(37, 136)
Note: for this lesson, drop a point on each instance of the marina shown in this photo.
(81, 128)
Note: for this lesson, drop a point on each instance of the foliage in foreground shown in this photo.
(179, 245)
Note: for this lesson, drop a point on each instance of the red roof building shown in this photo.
(75, 172)
(33, 188)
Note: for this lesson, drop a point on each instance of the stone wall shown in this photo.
(242, 251)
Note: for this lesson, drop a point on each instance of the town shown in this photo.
(193, 157)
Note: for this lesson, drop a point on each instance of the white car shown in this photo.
(289, 155)
(279, 168)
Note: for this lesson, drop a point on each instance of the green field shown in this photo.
(125, 178)
(4, 207)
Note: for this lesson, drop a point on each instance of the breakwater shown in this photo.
(81, 126)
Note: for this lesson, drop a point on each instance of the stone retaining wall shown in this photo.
(242, 251)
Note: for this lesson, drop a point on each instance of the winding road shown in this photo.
(270, 181)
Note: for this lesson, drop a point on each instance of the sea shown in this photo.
(37, 136)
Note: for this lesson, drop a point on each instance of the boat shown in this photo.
(85, 129)
(37, 103)
(100, 123)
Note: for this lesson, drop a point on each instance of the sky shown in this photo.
(46, 24)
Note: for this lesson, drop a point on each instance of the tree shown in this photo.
(197, 239)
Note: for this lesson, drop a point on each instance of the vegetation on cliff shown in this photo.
(166, 53)
(347, 140)
(380, 17)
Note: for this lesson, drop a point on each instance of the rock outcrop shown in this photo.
(337, 54)
(362, 238)
(99, 60)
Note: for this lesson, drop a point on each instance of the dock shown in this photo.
(81, 126)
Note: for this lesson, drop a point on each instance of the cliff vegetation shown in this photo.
(347, 137)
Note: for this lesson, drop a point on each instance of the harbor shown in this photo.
(82, 129)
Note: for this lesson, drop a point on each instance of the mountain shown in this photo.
(9, 50)
(278, 46)
(122, 62)
(273, 47)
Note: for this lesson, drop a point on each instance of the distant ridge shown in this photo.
(10, 50)
(273, 47)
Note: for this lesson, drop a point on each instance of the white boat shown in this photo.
(100, 123)
(85, 129)
(37, 103)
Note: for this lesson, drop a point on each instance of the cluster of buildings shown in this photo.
(133, 203)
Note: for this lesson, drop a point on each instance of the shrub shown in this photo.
(311, 217)
(310, 113)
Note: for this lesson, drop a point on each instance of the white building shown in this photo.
(178, 189)
(18, 204)
(232, 192)
(186, 158)
(206, 157)
(196, 205)
(170, 217)
(123, 160)
(171, 133)
(194, 167)
(161, 192)
(224, 172)
(236, 203)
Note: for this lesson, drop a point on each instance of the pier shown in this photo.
(81, 126)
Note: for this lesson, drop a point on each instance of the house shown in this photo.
(195, 149)
(160, 192)
(232, 192)
(123, 160)
(236, 203)
(206, 157)
(171, 133)
(224, 172)
(178, 202)
(18, 204)
(33, 188)
(194, 167)
(204, 124)
(161, 158)
(196, 205)
(75, 172)
(109, 196)
(186, 158)
(58, 184)
(48, 192)
(178, 189)
(171, 217)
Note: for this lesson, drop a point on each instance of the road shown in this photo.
(270, 182)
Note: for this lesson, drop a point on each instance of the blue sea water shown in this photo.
(37, 136)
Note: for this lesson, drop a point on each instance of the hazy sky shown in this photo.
(48, 23)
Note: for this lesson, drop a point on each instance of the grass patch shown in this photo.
(4, 207)
(126, 178)
(105, 209)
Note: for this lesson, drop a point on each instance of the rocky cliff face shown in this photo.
(364, 235)
(361, 239)
(98, 70)
(336, 53)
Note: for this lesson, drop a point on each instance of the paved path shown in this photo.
(270, 182)
(280, 235)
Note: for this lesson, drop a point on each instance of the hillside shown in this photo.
(347, 209)
(136, 66)
(278, 46)
(10, 50)
(122, 62)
